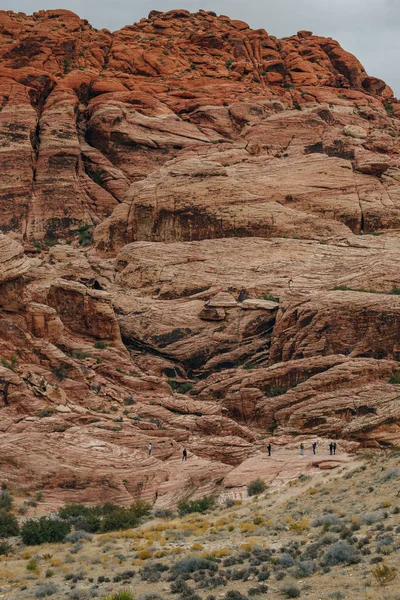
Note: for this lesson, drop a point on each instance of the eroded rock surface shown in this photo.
(199, 249)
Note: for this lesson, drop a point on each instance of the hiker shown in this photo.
(331, 448)
(334, 448)
(150, 448)
(184, 454)
(302, 449)
(314, 447)
(269, 448)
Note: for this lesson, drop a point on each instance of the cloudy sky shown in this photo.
(370, 29)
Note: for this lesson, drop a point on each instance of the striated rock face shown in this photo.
(85, 114)
(84, 310)
(13, 261)
(210, 223)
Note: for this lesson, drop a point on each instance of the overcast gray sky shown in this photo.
(370, 29)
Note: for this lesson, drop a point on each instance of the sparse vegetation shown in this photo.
(270, 297)
(44, 529)
(255, 487)
(383, 574)
(8, 524)
(100, 345)
(192, 506)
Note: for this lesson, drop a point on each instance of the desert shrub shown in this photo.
(270, 297)
(211, 582)
(107, 517)
(100, 345)
(78, 595)
(286, 560)
(141, 509)
(191, 564)
(45, 529)
(46, 589)
(122, 595)
(152, 572)
(391, 474)
(290, 589)
(121, 518)
(304, 568)
(78, 535)
(5, 548)
(5, 499)
(234, 595)
(9, 365)
(383, 574)
(129, 401)
(373, 517)
(341, 553)
(258, 591)
(179, 387)
(163, 513)
(91, 523)
(85, 235)
(8, 524)
(151, 596)
(190, 506)
(60, 372)
(326, 521)
(32, 565)
(255, 487)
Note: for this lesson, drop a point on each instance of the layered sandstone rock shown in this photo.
(86, 113)
(198, 200)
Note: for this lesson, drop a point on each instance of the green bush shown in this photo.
(45, 529)
(78, 510)
(85, 235)
(290, 589)
(395, 378)
(100, 345)
(5, 548)
(191, 564)
(5, 500)
(179, 387)
(341, 553)
(270, 297)
(9, 365)
(191, 506)
(122, 595)
(141, 509)
(122, 518)
(60, 372)
(106, 517)
(8, 524)
(255, 487)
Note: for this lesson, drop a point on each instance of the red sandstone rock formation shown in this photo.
(210, 222)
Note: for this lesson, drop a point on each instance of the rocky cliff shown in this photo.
(199, 249)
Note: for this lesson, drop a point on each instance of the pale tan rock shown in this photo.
(84, 310)
(222, 300)
(43, 322)
(13, 262)
(355, 131)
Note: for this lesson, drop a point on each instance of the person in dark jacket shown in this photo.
(314, 447)
(184, 454)
(269, 448)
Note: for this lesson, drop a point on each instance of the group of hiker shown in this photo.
(332, 449)
(184, 453)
